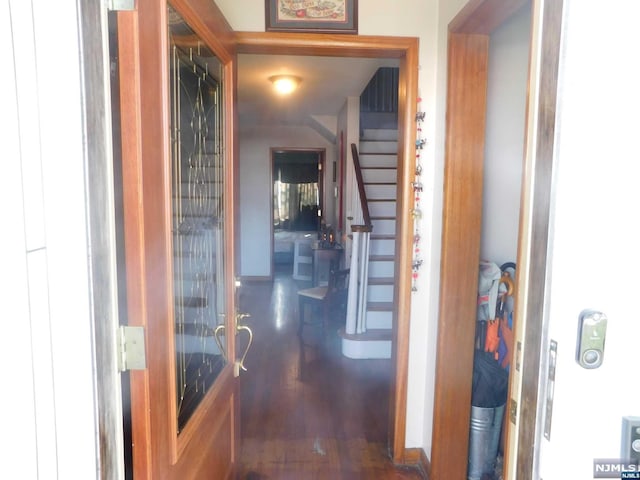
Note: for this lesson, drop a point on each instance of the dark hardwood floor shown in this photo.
(308, 412)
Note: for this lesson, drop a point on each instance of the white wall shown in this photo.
(255, 189)
(349, 123)
(49, 408)
(427, 20)
(504, 148)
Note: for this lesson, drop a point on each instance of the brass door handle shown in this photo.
(216, 332)
(240, 363)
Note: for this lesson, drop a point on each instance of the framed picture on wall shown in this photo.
(319, 16)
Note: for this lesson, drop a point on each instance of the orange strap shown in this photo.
(493, 340)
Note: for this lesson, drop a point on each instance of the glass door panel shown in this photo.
(197, 215)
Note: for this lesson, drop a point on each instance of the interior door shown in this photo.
(177, 96)
(595, 257)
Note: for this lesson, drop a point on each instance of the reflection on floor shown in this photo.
(308, 412)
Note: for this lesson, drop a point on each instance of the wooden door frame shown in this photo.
(406, 50)
(468, 54)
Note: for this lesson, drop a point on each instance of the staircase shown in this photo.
(378, 153)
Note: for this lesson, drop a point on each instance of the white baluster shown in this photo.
(352, 301)
(364, 282)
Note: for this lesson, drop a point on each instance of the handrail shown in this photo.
(363, 195)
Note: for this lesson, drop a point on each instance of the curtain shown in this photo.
(295, 205)
(296, 172)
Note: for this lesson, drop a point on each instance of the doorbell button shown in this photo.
(592, 330)
(591, 357)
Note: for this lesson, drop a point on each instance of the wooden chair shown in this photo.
(329, 299)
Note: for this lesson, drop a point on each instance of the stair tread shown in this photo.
(380, 281)
(381, 199)
(382, 217)
(380, 183)
(382, 236)
(379, 306)
(375, 334)
(382, 258)
(362, 167)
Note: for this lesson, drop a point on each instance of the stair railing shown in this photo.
(361, 233)
(360, 183)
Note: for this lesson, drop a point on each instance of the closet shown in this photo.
(508, 66)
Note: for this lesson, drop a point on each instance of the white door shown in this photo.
(595, 239)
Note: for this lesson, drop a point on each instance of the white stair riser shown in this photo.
(193, 274)
(207, 158)
(387, 160)
(201, 206)
(195, 248)
(199, 316)
(380, 269)
(366, 349)
(382, 209)
(379, 134)
(380, 191)
(380, 293)
(201, 175)
(367, 146)
(379, 175)
(384, 227)
(379, 320)
(381, 247)
(191, 288)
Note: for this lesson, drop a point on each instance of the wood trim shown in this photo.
(317, 44)
(482, 17)
(154, 143)
(405, 49)
(232, 211)
(407, 108)
(128, 41)
(206, 19)
(417, 456)
(536, 258)
(464, 158)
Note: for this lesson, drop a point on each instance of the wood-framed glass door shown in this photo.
(177, 96)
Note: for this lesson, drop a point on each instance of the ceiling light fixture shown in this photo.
(285, 84)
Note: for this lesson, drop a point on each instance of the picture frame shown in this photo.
(312, 16)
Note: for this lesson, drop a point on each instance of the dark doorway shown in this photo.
(297, 200)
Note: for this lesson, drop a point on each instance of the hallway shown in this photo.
(308, 412)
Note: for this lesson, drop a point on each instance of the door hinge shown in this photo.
(118, 5)
(131, 351)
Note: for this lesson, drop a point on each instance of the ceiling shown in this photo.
(326, 83)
